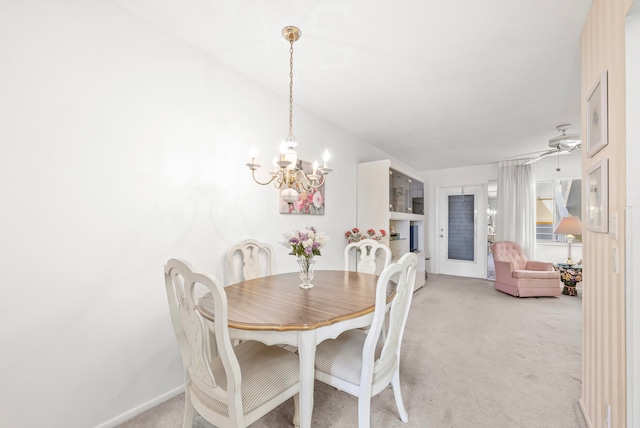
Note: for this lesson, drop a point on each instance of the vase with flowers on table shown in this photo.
(305, 245)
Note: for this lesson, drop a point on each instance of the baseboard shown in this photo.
(141, 408)
(584, 414)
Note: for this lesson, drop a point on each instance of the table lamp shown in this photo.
(569, 226)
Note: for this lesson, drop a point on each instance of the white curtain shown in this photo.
(516, 216)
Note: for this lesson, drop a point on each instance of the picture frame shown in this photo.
(309, 202)
(597, 196)
(597, 116)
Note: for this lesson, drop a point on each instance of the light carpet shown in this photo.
(472, 357)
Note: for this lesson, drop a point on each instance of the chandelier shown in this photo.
(288, 174)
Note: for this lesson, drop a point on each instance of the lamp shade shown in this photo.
(569, 225)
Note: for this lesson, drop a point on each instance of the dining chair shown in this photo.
(371, 256)
(241, 384)
(362, 364)
(248, 260)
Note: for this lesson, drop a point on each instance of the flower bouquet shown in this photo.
(305, 245)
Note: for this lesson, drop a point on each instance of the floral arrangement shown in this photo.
(306, 243)
(570, 277)
(354, 235)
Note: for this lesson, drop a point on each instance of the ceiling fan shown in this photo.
(562, 144)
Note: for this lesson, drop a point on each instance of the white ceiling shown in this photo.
(437, 83)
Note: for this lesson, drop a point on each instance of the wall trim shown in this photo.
(632, 215)
(123, 417)
(585, 414)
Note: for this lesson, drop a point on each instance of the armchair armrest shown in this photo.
(503, 269)
(533, 265)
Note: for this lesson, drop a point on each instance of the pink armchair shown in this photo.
(520, 277)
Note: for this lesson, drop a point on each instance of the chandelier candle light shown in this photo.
(287, 174)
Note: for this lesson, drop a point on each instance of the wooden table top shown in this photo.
(277, 303)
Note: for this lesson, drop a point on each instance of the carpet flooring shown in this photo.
(472, 357)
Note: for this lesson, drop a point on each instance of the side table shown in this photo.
(570, 275)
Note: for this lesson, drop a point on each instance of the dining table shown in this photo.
(274, 310)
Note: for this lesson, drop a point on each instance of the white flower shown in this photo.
(321, 238)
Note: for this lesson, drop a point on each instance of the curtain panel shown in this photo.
(516, 216)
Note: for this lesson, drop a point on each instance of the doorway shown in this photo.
(492, 209)
(462, 230)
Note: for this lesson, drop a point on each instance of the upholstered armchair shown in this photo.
(520, 277)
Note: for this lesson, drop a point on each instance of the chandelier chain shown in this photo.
(291, 138)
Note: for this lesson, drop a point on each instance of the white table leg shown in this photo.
(307, 353)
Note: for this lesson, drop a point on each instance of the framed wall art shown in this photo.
(309, 201)
(597, 190)
(597, 116)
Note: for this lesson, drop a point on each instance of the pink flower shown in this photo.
(354, 235)
(318, 199)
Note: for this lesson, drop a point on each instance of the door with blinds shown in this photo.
(462, 231)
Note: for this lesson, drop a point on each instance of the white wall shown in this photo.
(545, 169)
(122, 147)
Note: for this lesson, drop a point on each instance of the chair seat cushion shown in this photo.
(342, 356)
(266, 372)
(536, 274)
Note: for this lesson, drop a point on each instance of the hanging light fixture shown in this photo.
(565, 141)
(288, 175)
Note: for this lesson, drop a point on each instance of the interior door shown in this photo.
(462, 231)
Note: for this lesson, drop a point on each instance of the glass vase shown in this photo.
(306, 271)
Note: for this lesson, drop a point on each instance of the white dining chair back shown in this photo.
(240, 384)
(370, 256)
(361, 363)
(249, 259)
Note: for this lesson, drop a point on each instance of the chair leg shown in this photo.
(189, 410)
(395, 383)
(364, 411)
(296, 410)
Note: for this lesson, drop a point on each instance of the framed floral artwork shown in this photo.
(597, 116)
(309, 202)
(598, 196)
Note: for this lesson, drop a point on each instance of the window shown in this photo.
(556, 199)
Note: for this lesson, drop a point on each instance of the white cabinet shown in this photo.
(391, 198)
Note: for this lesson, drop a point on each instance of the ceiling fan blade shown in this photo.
(549, 153)
(525, 155)
(534, 160)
